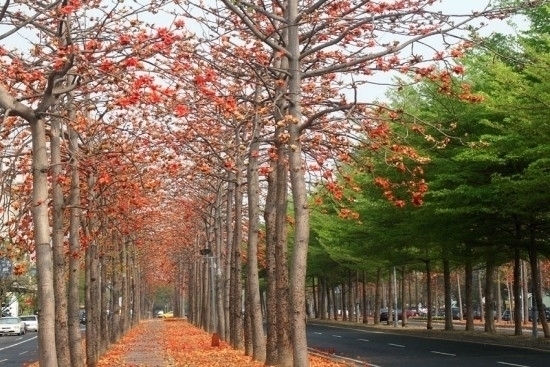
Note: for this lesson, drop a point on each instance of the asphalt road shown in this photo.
(18, 350)
(378, 348)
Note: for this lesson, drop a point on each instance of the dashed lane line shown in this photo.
(13, 345)
(396, 345)
(364, 340)
(513, 364)
(443, 353)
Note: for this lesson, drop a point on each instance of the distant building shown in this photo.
(10, 306)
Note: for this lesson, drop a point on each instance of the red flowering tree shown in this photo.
(313, 61)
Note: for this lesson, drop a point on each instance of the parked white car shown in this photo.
(31, 322)
(11, 325)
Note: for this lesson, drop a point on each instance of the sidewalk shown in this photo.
(148, 349)
(175, 342)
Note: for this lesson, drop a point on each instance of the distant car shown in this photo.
(385, 317)
(168, 314)
(31, 322)
(383, 314)
(456, 313)
(160, 314)
(546, 311)
(11, 325)
(476, 315)
(506, 316)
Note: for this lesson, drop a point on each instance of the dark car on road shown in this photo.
(384, 314)
(546, 311)
(506, 316)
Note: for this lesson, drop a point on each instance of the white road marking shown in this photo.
(13, 345)
(396, 345)
(318, 333)
(337, 336)
(358, 361)
(363, 340)
(513, 364)
(23, 352)
(442, 353)
(3, 360)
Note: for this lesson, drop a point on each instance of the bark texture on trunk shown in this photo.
(271, 238)
(75, 338)
(447, 294)
(489, 297)
(253, 280)
(58, 248)
(44, 259)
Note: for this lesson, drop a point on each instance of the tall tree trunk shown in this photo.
(228, 258)
(364, 311)
(236, 284)
(253, 281)
(44, 259)
(271, 244)
(498, 301)
(525, 291)
(349, 308)
(536, 282)
(447, 294)
(469, 290)
(247, 323)
(480, 290)
(429, 295)
(124, 305)
(299, 193)
(489, 297)
(75, 335)
(116, 282)
(459, 292)
(404, 307)
(377, 296)
(315, 299)
(516, 290)
(104, 331)
(58, 247)
(135, 286)
(322, 294)
(390, 298)
(332, 303)
(220, 254)
(204, 277)
(284, 322)
(92, 283)
(343, 301)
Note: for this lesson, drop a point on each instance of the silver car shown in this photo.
(11, 325)
(31, 322)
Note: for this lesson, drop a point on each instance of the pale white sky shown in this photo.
(461, 9)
